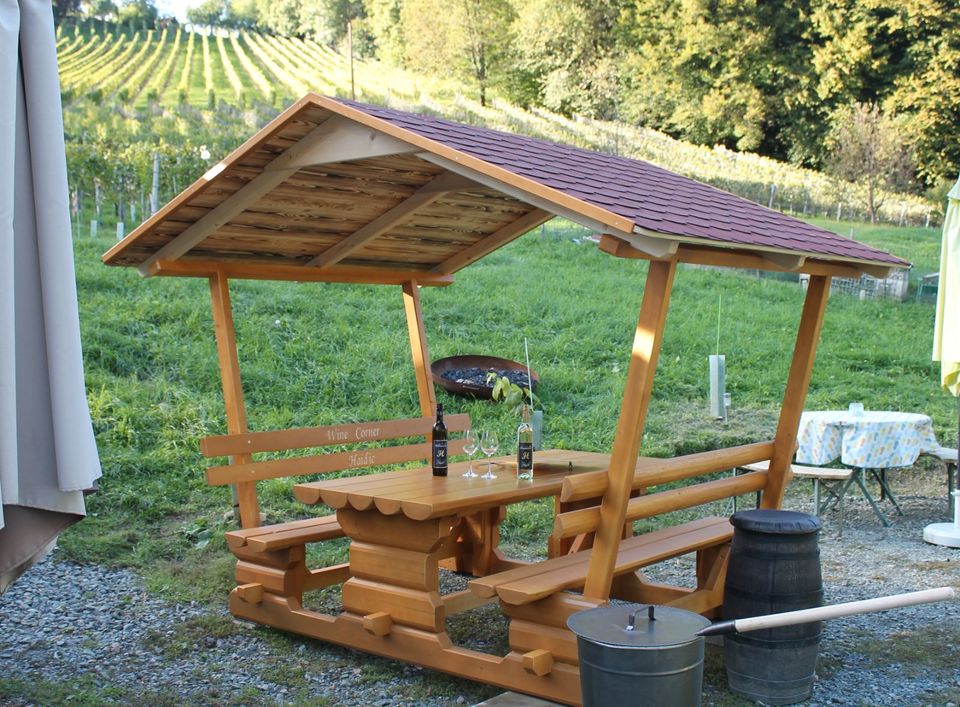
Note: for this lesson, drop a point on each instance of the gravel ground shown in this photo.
(98, 636)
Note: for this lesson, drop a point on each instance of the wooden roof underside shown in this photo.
(319, 195)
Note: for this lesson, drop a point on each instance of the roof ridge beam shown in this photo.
(655, 246)
(274, 174)
(345, 141)
(424, 196)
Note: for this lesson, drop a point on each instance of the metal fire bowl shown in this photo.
(438, 367)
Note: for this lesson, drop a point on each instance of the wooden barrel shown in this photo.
(774, 567)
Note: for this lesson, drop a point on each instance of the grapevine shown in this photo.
(263, 53)
(123, 70)
(228, 68)
(251, 68)
(140, 77)
(207, 64)
(183, 85)
(161, 78)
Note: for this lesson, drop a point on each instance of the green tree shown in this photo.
(927, 89)
(279, 16)
(138, 13)
(719, 71)
(243, 14)
(871, 148)
(567, 56)
(102, 9)
(383, 26)
(326, 21)
(467, 38)
(62, 8)
(210, 13)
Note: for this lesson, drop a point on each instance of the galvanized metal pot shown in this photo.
(631, 654)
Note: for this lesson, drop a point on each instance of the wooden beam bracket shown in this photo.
(539, 662)
(251, 593)
(378, 623)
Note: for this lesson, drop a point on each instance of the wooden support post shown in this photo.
(804, 353)
(246, 492)
(418, 348)
(633, 414)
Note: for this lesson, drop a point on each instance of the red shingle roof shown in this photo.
(650, 197)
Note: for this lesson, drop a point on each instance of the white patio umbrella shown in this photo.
(946, 345)
(48, 455)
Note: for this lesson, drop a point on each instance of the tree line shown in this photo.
(793, 80)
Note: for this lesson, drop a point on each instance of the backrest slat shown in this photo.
(323, 463)
(306, 437)
(586, 520)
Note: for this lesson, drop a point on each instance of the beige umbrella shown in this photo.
(946, 344)
(48, 455)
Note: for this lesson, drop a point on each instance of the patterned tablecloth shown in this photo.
(872, 440)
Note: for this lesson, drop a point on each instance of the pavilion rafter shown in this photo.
(425, 195)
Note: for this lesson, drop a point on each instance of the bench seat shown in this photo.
(806, 472)
(530, 583)
(285, 535)
(833, 481)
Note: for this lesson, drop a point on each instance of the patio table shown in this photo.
(403, 525)
(870, 442)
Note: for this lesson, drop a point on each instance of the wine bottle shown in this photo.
(439, 438)
(525, 447)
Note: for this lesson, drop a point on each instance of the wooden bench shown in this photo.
(273, 557)
(538, 597)
(529, 583)
(833, 481)
(947, 456)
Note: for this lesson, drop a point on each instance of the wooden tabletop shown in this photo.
(419, 495)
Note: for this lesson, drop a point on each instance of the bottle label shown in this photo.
(440, 457)
(525, 460)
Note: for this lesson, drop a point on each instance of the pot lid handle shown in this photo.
(634, 618)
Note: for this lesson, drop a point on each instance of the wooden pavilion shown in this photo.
(337, 191)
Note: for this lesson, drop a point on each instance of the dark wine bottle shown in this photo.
(439, 438)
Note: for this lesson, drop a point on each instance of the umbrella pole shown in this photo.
(956, 480)
(948, 534)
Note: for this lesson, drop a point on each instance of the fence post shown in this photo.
(155, 190)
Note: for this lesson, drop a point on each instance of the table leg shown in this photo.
(394, 569)
(881, 476)
(478, 547)
(858, 477)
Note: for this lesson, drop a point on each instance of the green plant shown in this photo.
(511, 394)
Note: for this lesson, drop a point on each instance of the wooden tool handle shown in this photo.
(822, 613)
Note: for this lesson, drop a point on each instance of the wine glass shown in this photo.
(470, 447)
(489, 445)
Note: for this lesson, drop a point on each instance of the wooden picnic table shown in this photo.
(404, 526)
(414, 510)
